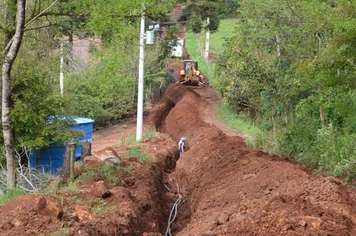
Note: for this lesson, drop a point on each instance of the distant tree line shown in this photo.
(197, 12)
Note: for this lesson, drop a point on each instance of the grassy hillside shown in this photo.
(196, 46)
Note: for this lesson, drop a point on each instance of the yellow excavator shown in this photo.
(190, 75)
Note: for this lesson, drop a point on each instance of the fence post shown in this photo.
(68, 162)
(86, 149)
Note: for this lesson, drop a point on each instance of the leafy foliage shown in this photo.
(103, 89)
(35, 101)
(291, 68)
(197, 12)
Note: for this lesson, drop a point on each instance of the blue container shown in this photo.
(51, 158)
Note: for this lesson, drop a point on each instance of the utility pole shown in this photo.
(140, 81)
(207, 41)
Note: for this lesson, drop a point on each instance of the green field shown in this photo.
(196, 45)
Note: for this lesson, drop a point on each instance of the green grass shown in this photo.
(102, 207)
(217, 39)
(216, 46)
(226, 115)
(140, 155)
(85, 176)
(147, 134)
(71, 186)
(60, 232)
(10, 194)
(135, 151)
(74, 198)
(110, 172)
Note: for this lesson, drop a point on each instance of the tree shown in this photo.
(291, 67)
(13, 43)
(197, 13)
(9, 59)
(26, 107)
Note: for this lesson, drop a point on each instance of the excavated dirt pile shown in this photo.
(232, 189)
(224, 186)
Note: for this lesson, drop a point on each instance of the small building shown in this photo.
(177, 47)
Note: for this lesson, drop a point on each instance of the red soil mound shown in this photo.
(226, 187)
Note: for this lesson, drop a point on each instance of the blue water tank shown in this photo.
(51, 158)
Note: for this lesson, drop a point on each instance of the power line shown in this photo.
(173, 22)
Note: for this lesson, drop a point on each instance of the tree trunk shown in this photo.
(321, 111)
(6, 94)
(278, 45)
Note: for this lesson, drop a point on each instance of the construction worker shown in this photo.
(181, 146)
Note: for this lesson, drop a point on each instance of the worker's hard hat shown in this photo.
(183, 139)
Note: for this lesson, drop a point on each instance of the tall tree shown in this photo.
(9, 59)
(14, 33)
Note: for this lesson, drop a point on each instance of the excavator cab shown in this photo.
(188, 65)
(190, 75)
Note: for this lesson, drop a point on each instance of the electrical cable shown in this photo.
(173, 213)
(167, 187)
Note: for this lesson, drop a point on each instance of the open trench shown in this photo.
(175, 210)
(229, 188)
(184, 108)
(226, 187)
(182, 113)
